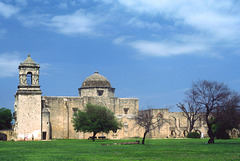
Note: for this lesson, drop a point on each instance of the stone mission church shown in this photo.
(40, 117)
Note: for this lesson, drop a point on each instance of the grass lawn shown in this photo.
(154, 149)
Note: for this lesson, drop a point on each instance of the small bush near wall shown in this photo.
(193, 135)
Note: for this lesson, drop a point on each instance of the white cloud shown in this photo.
(80, 22)
(7, 10)
(173, 45)
(217, 17)
(121, 39)
(151, 48)
(184, 27)
(144, 24)
(8, 64)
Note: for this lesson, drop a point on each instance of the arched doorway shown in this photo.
(3, 137)
(173, 134)
(185, 133)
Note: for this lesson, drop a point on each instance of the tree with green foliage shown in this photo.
(5, 118)
(95, 119)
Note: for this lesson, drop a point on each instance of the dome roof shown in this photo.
(96, 80)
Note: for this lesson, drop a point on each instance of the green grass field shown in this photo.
(159, 149)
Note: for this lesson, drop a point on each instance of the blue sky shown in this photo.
(149, 49)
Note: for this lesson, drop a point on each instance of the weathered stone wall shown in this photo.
(11, 135)
(23, 74)
(28, 123)
(125, 109)
(128, 105)
(61, 112)
(46, 124)
(62, 109)
(96, 92)
(179, 125)
(162, 130)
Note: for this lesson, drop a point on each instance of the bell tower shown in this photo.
(28, 102)
(29, 77)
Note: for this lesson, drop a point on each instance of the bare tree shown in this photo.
(149, 122)
(191, 112)
(212, 97)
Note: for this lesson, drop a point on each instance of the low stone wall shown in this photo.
(11, 135)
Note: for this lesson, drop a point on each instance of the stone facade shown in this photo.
(28, 111)
(9, 135)
(40, 117)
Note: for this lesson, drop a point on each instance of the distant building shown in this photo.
(40, 117)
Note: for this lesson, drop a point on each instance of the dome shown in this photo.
(96, 80)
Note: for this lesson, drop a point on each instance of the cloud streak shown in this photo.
(8, 64)
(135, 22)
(165, 49)
(217, 17)
(171, 46)
(154, 28)
(202, 26)
(7, 10)
(80, 22)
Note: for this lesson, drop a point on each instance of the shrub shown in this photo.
(193, 135)
(221, 134)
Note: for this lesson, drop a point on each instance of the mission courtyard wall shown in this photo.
(61, 111)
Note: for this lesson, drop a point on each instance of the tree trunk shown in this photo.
(94, 134)
(143, 140)
(211, 136)
(210, 132)
(190, 128)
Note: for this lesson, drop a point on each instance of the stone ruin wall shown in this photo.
(62, 109)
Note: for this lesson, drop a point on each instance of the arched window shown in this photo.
(29, 78)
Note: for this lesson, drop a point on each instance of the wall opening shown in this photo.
(3, 137)
(126, 110)
(100, 92)
(185, 133)
(29, 78)
(75, 110)
(173, 134)
(44, 135)
(198, 131)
